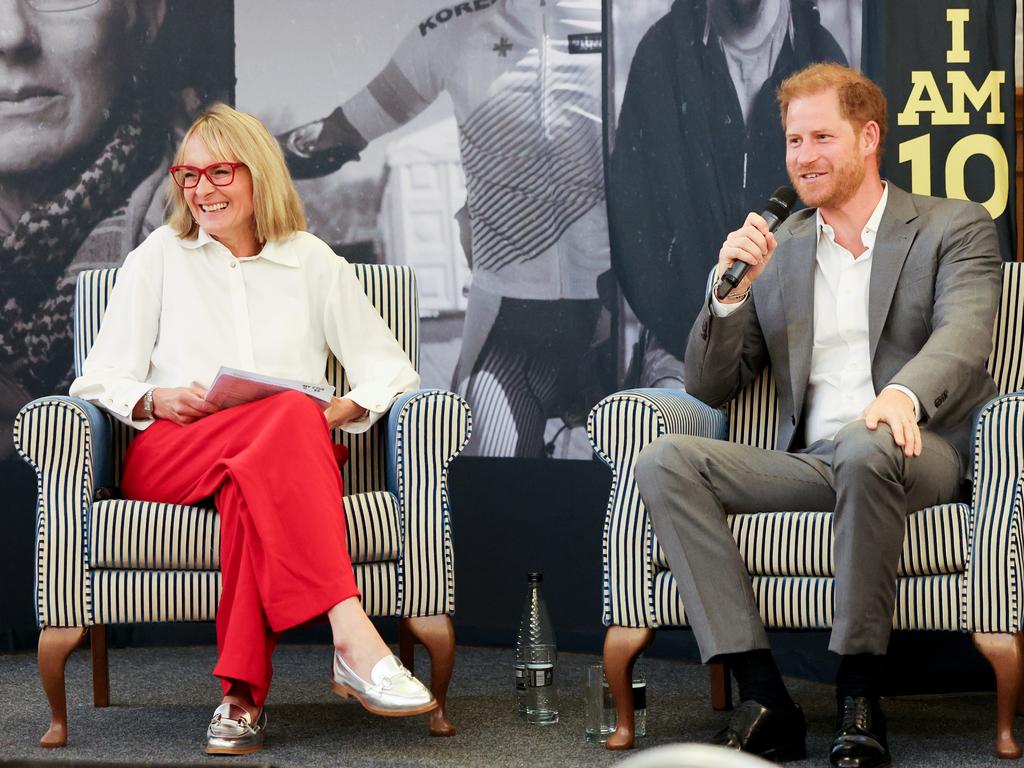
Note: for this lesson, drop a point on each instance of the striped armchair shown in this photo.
(104, 560)
(961, 567)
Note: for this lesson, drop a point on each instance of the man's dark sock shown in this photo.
(859, 674)
(758, 678)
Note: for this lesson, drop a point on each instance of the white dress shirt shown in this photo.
(181, 309)
(840, 384)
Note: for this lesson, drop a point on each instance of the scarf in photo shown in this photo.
(36, 295)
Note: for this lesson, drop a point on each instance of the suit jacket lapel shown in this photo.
(796, 276)
(892, 245)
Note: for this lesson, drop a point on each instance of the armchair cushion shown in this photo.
(142, 535)
(130, 597)
(801, 543)
(806, 602)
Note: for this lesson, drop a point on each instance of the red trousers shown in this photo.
(271, 470)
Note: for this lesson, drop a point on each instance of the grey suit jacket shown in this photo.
(932, 298)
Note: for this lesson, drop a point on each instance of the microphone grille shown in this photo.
(781, 202)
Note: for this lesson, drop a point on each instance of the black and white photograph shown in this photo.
(93, 96)
(463, 140)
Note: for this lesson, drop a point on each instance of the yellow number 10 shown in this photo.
(918, 153)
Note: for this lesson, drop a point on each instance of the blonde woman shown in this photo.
(232, 279)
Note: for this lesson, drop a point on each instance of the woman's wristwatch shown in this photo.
(147, 403)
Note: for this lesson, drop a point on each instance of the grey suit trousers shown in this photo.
(690, 484)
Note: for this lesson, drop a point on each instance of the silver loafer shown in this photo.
(393, 692)
(232, 731)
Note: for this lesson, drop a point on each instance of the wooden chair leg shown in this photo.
(621, 647)
(406, 646)
(721, 686)
(1005, 652)
(55, 645)
(438, 636)
(100, 667)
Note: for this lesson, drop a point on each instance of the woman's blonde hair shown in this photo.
(231, 134)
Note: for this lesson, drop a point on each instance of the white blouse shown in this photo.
(181, 309)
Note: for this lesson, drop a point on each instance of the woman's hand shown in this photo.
(182, 405)
(341, 411)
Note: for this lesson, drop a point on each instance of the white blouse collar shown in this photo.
(275, 250)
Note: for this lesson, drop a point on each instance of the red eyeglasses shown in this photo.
(219, 174)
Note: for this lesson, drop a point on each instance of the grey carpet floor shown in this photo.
(162, 699)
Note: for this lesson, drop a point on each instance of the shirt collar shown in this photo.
(201, 239)
(278, 252)
(274, 251)
(870, 228)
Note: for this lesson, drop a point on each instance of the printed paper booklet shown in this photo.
(234, 387)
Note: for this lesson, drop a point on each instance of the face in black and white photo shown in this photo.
(726, 14)
(62, 66)
(93, 94)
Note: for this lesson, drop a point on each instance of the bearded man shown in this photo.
(874, 308)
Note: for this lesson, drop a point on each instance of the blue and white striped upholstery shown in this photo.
(802, 542)
(619, 427)
(127, 561)
(149, 536)
(962, 566)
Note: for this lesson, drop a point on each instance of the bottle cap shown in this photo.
(534, 576)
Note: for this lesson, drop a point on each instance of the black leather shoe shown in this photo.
(776, 735)
(860, 740)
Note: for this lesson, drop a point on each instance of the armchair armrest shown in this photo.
(619, 427)
(993, 598)
(426, 430)
(68, 444)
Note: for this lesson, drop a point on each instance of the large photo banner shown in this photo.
(462, 139)
(93, 97)
(695, 141)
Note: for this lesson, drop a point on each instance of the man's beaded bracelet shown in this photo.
(734, 294)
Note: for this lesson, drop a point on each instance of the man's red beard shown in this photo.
(838, 186)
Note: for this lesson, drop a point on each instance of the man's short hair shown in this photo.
(236, 135)
(860, 100)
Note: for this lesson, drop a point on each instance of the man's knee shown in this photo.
(668, 455)
(859, 449)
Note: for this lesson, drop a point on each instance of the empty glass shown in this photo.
(599, 709)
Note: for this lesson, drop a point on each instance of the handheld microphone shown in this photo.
(776, 211)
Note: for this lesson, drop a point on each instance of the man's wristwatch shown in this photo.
(147, 402)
